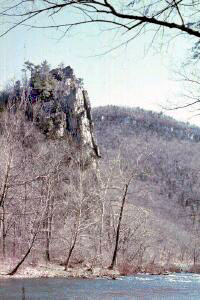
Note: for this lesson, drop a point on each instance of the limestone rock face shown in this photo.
(67, 110)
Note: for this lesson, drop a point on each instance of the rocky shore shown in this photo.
(52, 271)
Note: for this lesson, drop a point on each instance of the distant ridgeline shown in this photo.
(57, 102)
(136, 120)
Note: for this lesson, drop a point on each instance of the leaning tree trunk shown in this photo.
(71, 250)
(25, 256)
(118, 229)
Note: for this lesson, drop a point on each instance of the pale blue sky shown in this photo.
(130, 76)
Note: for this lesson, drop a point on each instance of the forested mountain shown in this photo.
(165, 156)
(138, 120)
(135, 206)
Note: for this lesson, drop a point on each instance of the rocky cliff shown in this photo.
(60, 105)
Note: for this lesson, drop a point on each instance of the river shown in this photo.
(174, 286)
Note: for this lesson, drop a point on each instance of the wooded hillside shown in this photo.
(137, 206)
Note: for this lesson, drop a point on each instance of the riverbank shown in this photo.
(52, 270)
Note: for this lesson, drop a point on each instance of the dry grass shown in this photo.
(153, 269)
(126, 269)
(173, 268)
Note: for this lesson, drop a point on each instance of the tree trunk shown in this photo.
(47, 237)
(25, 256)
(118, 229)
(47, 250)
(70, 251)
(14, 241)
(5, 185)
(3, 233)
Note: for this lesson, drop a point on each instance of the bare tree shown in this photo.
(129, 16)
(38, 216)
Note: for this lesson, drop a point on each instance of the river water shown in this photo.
(175, 286)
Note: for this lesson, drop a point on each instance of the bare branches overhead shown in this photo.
(179, 15)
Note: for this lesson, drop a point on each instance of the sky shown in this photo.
(134, 75)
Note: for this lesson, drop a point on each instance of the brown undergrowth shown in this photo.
(126, 269)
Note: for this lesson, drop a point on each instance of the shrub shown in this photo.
(194, 269)
(126, 268)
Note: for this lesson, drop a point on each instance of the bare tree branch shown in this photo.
(153, 13)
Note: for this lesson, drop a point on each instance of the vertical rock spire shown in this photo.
(68, 110)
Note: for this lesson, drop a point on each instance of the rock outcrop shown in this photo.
(66, 109)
